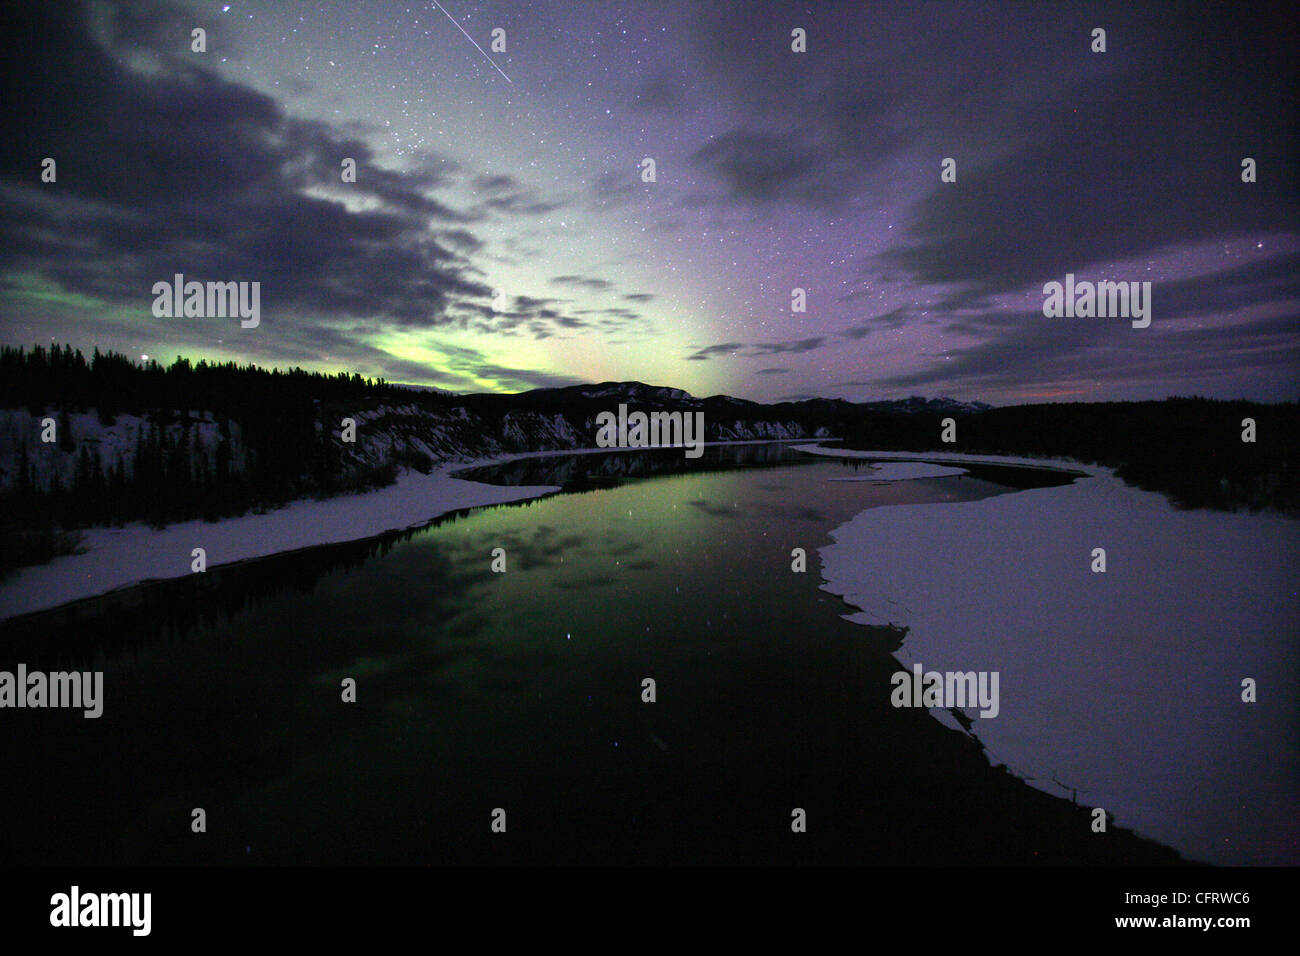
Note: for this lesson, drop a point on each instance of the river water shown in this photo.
(519, 690)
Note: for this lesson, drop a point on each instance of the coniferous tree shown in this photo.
(66, 441)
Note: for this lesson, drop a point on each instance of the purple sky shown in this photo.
(774, 170)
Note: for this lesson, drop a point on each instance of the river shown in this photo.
(523, 691)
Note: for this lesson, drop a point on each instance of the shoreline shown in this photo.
(1148, 656)
(114, 558)
(1065, 465)
(271, 643)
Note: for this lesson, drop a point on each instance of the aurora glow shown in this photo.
(775, 170)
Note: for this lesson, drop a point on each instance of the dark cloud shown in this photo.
(1275, 279)
(518, 379)
(758, 350)
(461, 238)
(798, 345)
(582, 282)
(542, 318)
(893, 319)
(885, 321)
(528, 303)
(522, 200)
(173, 169)
(1122, 163)
(762, 166)
(1066, 160)
(495, 183)
(1040, 353)
(1030, 348)
(704, 354)
(817, 169)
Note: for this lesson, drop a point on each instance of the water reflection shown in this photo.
(520, 690)
(74, 635)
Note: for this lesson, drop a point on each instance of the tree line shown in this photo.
(269, 447)
(1190, 448)
(271, 443)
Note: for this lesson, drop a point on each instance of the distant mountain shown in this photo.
(918, 404)
(639, 392)
(632, 392)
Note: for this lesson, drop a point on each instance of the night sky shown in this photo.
(520, 171)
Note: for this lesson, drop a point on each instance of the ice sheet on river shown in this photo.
(1124, 686)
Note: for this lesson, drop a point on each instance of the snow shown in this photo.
(1050, 464)
(1124, 687)
(119, 557)
(113, 443)
(904, 471)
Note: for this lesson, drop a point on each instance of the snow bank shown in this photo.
(1123, 686)
(117, 557)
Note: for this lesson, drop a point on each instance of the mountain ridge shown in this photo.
(631, 390)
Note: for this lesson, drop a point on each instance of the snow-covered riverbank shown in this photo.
(118, 557)
(1124, 687)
